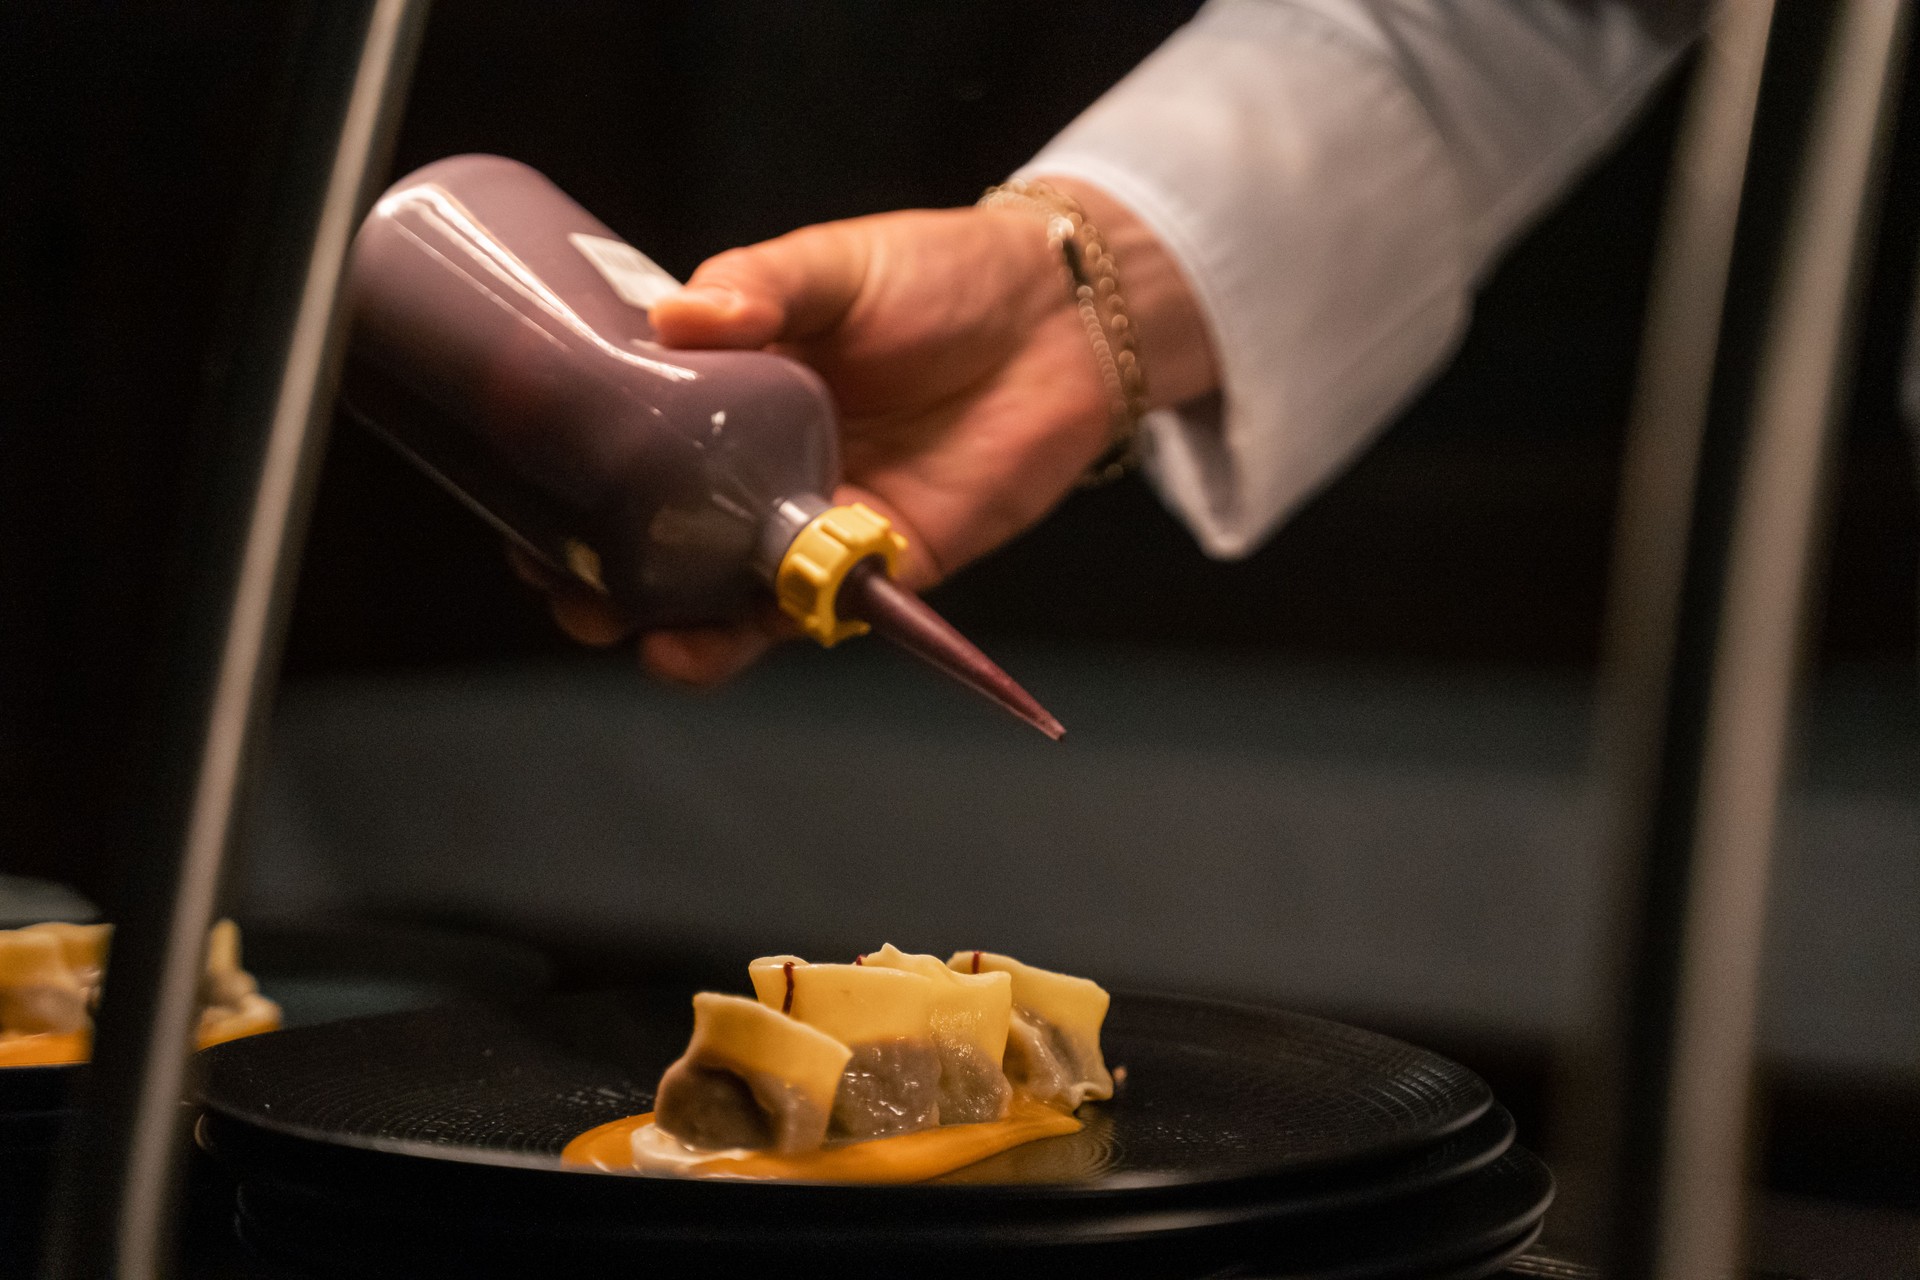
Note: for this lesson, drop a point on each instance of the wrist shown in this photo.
(1175, 346)
(1043, 309)
(1091, 274)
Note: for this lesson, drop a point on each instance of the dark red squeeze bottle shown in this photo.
(501, 341)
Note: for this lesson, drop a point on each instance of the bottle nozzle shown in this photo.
(910, 622)
(834, 579)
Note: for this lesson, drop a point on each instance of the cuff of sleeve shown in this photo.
(1311, 206)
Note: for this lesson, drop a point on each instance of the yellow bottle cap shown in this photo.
(818, 561)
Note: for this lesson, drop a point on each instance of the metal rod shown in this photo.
(1705, 660)
(1779, 528)
(1684, 312)
(114, 1201)
(1680, 342)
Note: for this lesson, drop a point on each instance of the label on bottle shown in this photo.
(638, 279)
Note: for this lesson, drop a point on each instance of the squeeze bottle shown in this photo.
(500, 340)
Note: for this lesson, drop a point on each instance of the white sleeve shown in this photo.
(1333, 177)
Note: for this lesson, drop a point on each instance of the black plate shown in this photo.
(1231, 1119)
(1216, 1096)
(1491, 1263)
(1466, 1227)
(27, 1092)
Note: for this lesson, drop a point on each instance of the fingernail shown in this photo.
(716, 296)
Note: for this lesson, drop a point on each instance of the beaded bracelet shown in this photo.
(1094, 279)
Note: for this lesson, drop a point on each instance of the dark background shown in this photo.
(1475, 535)
(1477, 532)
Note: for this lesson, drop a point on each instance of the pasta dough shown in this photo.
(1053, 1047)
(750, 1078)
(891, 1083)
(893, 1068)
(50, 977)
(970, 1015)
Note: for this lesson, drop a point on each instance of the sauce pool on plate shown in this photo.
(635, 1144)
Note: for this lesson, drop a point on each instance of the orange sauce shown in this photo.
(46, 1049)
(237, 1026)
(906, 1157)
(61, 1048)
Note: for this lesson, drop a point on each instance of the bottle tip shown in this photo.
(909, 622)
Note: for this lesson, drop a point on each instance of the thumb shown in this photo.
(783, 290)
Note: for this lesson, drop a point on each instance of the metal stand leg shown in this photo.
(1723, 516)
(113, 1204)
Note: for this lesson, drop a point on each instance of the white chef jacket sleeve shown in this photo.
(1333, 177)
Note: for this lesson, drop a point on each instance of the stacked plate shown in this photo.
(34, 1105)
(317, 971)
(34, 1101)
(1243, 1142)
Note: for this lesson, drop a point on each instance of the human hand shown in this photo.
(969, 398)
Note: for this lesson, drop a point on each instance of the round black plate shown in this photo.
(1468, 1227)
(1216, 1095)
(1491, 1263)
(31, 1092)
(432, 1135)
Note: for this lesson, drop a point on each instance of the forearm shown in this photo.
(1331, 178)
